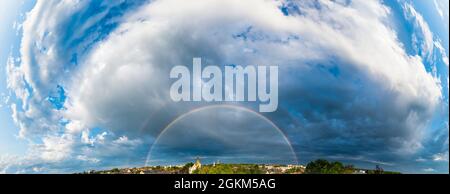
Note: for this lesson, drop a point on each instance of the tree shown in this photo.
(321, 166)
(378, 170)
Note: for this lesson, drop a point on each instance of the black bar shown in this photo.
(82, 183)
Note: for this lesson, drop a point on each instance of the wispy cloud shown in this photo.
(441, 156)
(429, 170)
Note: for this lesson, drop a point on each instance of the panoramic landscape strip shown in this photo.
(319, 166)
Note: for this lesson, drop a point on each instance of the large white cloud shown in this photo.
(125, 80)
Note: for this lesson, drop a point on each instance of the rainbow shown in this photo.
(228, 106)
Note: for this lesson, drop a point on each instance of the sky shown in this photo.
(85, 84)
(12, 13)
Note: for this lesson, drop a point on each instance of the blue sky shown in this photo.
(12, 12)
(363, 82)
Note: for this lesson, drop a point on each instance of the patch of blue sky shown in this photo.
(402, 27)
(253, 35)
(431, 15)
(96, 131)
(59, 98)
(29, 89)
(244, 34)
(334, 70)
(284, 9)
(63, 122)
(440, 71)
(289, 8)
(74, 59)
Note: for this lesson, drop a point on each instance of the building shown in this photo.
(196, 166)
